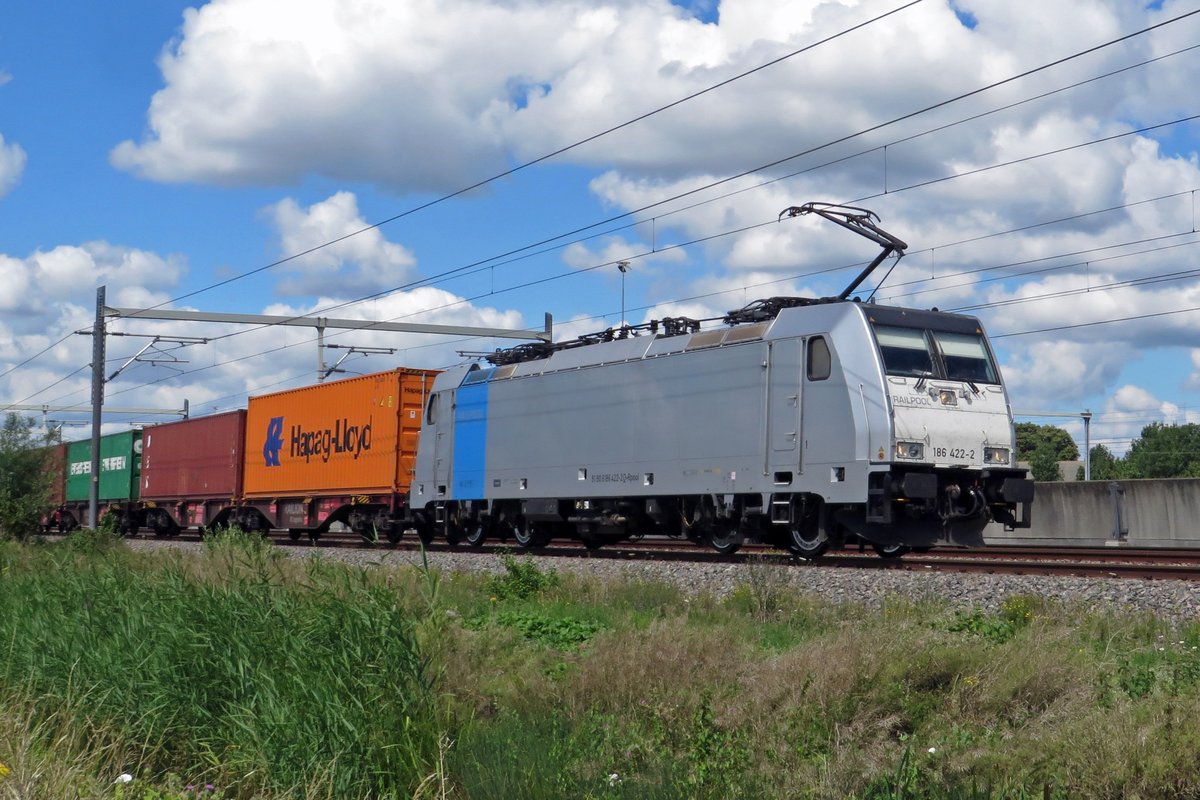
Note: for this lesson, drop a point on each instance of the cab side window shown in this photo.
(820, 363)
(431, 411)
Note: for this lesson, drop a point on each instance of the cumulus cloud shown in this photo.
(424, 96)
(12, 163)
(69, 274)
(361, 263)
(226, 362)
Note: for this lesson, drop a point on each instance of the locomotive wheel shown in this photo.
(393, 533)
(807, 541)
(528, 535)
(475, 532)
(454, 533)
(425, 533)
(726, 537)
(889, 550)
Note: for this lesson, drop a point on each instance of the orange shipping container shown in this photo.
(353, 436)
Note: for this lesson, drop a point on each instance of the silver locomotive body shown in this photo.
(798, 427)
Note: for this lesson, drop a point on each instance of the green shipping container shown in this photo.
(120, 467)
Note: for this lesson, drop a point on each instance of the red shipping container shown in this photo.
(353, 436)
(194, 458)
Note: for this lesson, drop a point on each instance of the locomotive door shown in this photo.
(443, 445)
(784, 362)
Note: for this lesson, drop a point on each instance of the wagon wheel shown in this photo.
(726, 536)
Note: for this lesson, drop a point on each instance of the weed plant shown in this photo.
(273, 678)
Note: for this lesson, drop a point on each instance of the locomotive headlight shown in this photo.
(912, 451)
(947, 398)
(997, 455)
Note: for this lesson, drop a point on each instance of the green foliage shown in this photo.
(1165, 451)
(521, 580)
(716, 755)
(1105, 466)
(273, 679)
(253, 681)
(1032, 437)
(561, 633)
(1043, 463)
(1015, 613)
(86, 541)
(24, 478)
(1168, 667)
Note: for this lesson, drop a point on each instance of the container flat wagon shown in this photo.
(191, 472)
(120, 474)
(341, 452)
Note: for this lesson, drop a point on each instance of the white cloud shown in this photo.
(12, 162)
(212, 375)
(360, 264)
(69, 274)
(426, 96)
(1049, 375)
(356, 90)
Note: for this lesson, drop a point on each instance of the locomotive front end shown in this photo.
(953, 454)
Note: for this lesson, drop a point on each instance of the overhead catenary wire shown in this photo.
(760, 168)
(426, 280)
(548, 156)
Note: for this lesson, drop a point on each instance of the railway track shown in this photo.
(1090, 562)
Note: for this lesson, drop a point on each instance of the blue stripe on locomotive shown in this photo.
(470, 440)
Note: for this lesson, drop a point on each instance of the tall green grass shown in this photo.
(255, 678)
(274, 678)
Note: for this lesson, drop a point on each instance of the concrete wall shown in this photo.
(1155, 513)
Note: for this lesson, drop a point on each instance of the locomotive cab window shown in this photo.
(820, 364)
(965, 357)
(431, 409)
(905, 351)
(918, 353)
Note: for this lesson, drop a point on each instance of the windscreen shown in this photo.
(918, 353)
(905, 351)
(965, 357)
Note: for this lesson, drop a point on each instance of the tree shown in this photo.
(24, 480)
(1165, 451)
(1105, 466)
(1043, 463)
(1031, 436)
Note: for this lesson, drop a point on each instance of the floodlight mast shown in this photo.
(862, 222)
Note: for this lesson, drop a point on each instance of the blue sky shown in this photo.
(160, 148)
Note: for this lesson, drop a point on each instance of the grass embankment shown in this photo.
(260, 676)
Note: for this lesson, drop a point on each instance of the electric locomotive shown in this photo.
(796, 421)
